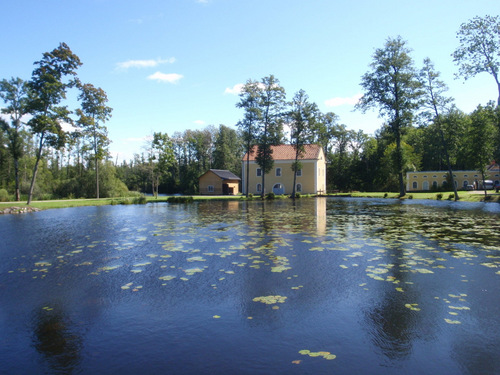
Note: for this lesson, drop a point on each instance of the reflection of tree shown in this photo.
(54, 340)
(392, 324)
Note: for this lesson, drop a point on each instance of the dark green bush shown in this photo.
(4, 195)
(140, 200)
(180, 199)
(439, 196)
(270, 196)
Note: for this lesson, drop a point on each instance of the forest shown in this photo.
(50, 151)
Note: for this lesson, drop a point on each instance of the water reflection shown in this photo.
(55, 340)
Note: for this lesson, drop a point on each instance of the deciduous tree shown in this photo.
(437, 103)
(479, 49)
(93, 114)
(393, 87)
(14, 93)
(48, 87)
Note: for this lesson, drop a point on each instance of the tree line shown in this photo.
(423, 129)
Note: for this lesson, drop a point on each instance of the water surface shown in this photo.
(323, 286)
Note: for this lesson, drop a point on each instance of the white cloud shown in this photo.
(336, 102)
(235, 90)
(144, 63)
(199, 122)
(164, 77)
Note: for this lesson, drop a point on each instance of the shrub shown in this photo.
(250, 195)
(270, 196)
(140, 200)
(4, 195)
(297, 195)
(451, 197)
(180, 199)
(439, 196)
(410, 196)
(385, 195)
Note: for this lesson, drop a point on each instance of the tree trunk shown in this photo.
(35, 170)
(16, 172)
(97, 177)
(400, 164)
(247, 171)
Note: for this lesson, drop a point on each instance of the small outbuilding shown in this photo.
(219, 182)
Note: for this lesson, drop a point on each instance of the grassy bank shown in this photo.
(465, 196)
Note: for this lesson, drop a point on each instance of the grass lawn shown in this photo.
(465, 196)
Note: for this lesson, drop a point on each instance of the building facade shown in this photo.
(219, 182)
(432, 180)
(311, 179)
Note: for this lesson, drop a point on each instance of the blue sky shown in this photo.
(172, 65)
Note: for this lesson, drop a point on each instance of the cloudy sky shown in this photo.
(172, 65)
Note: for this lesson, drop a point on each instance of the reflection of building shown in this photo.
(321, 215)
(432, 180)
(219, 182)
(311, 178)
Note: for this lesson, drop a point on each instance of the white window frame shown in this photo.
(258, 172)
(259, 188)
(299, 172)
(278, 172)
(298, 188)
(210, 188)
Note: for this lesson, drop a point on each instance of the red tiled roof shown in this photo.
(287, 152)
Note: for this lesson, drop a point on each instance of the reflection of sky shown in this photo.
(379, 285)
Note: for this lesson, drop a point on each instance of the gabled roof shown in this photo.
(224, 174)
(287, 152)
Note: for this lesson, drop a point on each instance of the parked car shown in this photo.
(469, 187)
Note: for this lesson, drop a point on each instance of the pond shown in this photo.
(322, 286)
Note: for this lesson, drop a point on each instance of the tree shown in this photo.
(393, 87)
(15, 94)
(92, 115)
(435, 100)
(270, 132)
(161, 158)
(480, 138)
(249, 101)
(302, 121)
(479, 49)
(48, 90)
(227, 150)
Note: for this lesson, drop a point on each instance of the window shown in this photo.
(299, 188)
(434, 184)
(434, 176)
(210, 188)
(466, 183)
(259, 172)
(425, 185)
(259, 188)
(414, 176)
(425, 176)
(299, 172)
(278, 172)
(415, 185)
(466, 176)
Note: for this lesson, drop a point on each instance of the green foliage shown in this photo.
(180, 199)
(439, 196)
(4, 195)
(451, 197)
(479, 49)
(270, 196)
(140, 200)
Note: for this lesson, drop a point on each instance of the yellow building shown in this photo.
(311, 179)
(432, 180)
(219, 182)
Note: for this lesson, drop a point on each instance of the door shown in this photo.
(278, 189)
